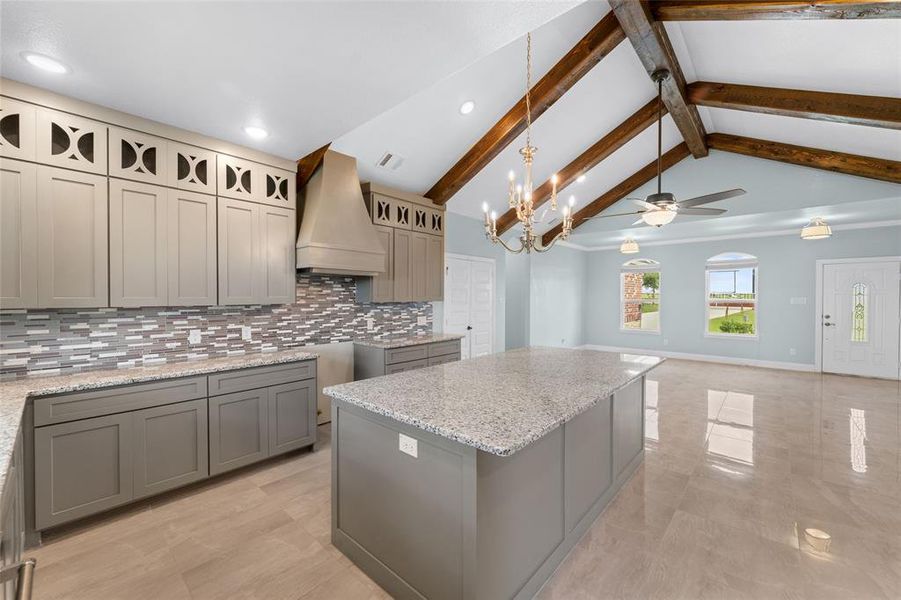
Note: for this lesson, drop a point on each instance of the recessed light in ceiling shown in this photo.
(580, 179)
(44, 62)
(467, 107)
(257, 133)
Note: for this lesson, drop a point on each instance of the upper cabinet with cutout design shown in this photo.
(17, 129)
(278, 188)
(191, 168)
(137, 156)
(71, 142)
(238, 179)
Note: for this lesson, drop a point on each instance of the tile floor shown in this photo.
(739, 463)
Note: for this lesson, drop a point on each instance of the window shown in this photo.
(640, 293)
(859, 312)
(732, 295)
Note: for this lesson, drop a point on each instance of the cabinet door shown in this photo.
(191, 249)
(136, 155)
(239, 429)
(137, 240)
(402, 214)
(191, 168)
(436, 221)
(421, 218)
(419, 266)
(628, 425)
(18, 235)
(170, 446)
(403, 248)
(82, 468)
(383, 284)
(381, 209)
(12, 517)
(292, 416)
(278, 187)
(238, 179)
(65, 140)
(434, 259)
(278, 242)
(17, 129)
(239, 242)
(72, 239)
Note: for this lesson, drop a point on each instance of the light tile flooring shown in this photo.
(739, 463)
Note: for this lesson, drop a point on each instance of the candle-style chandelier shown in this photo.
(520, 197)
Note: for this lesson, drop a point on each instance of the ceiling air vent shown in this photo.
(390, 161)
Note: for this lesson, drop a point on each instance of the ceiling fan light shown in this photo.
(816, 229)
(629, 246)
(659, 217)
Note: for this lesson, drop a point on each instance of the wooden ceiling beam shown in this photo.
(597, 152)
(621, 190)
(829, 160)
(307, 165)
(873, 111)
(724, 10)
(653, 47)
(594, 46)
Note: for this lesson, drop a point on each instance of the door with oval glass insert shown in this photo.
(71, 142)
(16, 129)
(191, 168)
(138, 156)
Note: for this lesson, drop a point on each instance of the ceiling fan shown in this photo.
(661, 208)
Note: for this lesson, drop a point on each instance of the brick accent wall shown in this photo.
(35, 342)
(632, 291)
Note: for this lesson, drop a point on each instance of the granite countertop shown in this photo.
(410, 340)
(15, 392)
(498, 403)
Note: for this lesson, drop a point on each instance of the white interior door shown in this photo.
(469, 304)
(861, 318)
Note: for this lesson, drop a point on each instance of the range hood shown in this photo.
(336, 234)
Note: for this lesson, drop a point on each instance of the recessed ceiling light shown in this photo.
(580, 179)
(467, 107)
(44, 62)
(257, 133)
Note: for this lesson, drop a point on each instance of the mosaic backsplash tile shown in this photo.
(37, 342)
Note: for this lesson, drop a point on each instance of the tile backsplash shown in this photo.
(35, 342)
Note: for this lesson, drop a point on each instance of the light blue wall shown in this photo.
(786, 270)
(463, 235)
(518, 299)
(557, 283)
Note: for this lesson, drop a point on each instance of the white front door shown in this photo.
(469, 303)
(860, 318)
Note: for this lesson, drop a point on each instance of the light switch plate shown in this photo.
(798, 300)
(245, 333)
(194, 336)
(408, 445)
(421, 321)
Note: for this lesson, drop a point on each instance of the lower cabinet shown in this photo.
(292, 416)
(12, 519)
(239, 429)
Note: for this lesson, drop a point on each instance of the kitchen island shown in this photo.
(473, 479)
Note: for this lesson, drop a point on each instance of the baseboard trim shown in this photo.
(729, 360)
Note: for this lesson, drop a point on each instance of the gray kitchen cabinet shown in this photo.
(239, 429)
(277, 240)
(380, 288)
(70, 141)
(170, 446)
(239, 251)
(12, 517)
(238, 179)
(292, 416)
(628, 425)
(418, 266)
(373, 360)
(72, 238)
(82, 468)
(191, 168)
(17, 133)
(434, 260)
(403, 265)
(137, 156)
(18, 234)
(138, 244)
(278, 187)
(191, 249)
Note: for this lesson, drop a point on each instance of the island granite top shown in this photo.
(410, 340)
(498, 403)
(15, 392)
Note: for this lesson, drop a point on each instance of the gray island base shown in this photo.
(474, 479)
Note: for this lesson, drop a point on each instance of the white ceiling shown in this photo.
(308, 72)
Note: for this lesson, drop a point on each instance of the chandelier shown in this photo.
(520, 196)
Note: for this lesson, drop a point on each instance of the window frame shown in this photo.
(727, 265)
(652, 266)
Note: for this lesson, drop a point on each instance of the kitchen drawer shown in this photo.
(444, 348)
(108, 401)
(257, 377)
(398, 355)
(447, 358)
(406, 366)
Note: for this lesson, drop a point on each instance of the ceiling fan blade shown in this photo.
(639, 222)
(637, 212)
(642, 203)
(711, 198)
(701, 211)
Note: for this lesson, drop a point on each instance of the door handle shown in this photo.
(469, 328)
(828, 324)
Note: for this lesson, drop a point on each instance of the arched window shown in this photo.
(731, 303)
(640, 296)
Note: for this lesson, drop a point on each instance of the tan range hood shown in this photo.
(336, 235)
